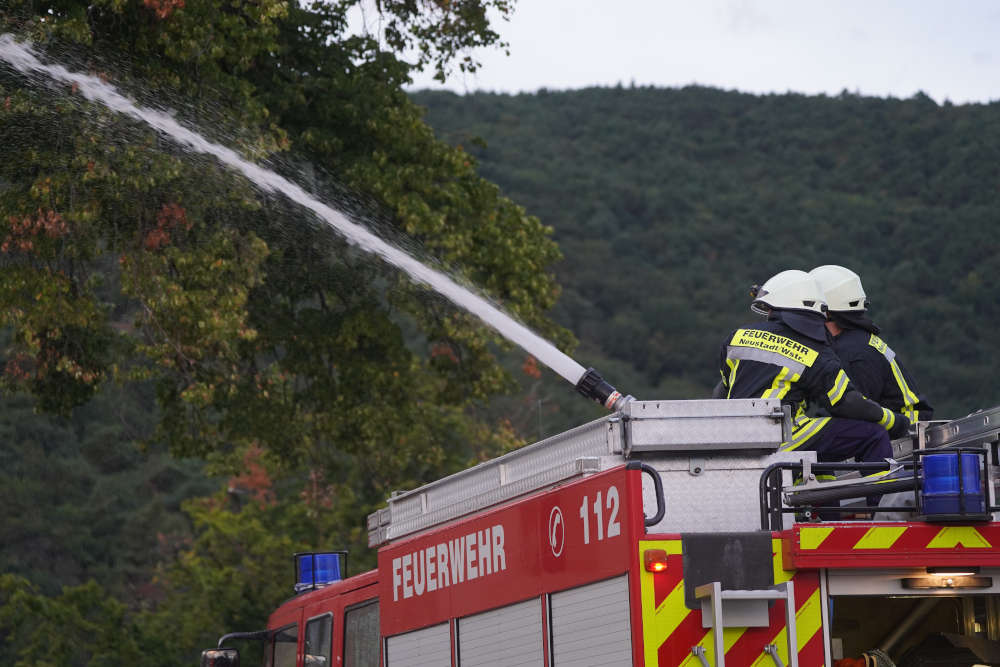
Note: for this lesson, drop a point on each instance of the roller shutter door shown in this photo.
(430, 647)
(590, 625)
(507, 637)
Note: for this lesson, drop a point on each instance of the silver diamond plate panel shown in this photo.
(493, 482)
(706, 425)
(723, 497)
(646, 427)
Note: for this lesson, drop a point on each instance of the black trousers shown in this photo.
(843, 439)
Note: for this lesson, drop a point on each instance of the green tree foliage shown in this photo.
(303, 371)
(669, 204)
(82, 502)
(239, 313)
(225, 581)
(80, 627)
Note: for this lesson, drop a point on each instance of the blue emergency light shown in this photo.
(317, 569)
(952, 484)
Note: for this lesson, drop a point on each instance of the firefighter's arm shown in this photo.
(854, 405)
(847, 402)
(720, 390)
(922, 410)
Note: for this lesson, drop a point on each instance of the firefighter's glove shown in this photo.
(897, 424)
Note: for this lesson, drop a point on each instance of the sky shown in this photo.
(947, 49)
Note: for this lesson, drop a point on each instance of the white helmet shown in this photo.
(788, 290)
(841, 288)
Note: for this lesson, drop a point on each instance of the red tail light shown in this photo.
(655, 560)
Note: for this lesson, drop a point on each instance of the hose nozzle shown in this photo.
(593, 386)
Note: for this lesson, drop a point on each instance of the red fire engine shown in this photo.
(670, 533)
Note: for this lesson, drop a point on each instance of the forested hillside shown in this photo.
(669, 203)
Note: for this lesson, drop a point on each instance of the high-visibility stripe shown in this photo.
(802, 435)
(781, 575)
(733, 365)
(880, 537)
(880, 345)
(888, 419)
(910, 399)
(772, 391)
(953, 536)
(781, 384)
(764, 357)
(882, 473)
(891, 546)
(897, 373)
(659, 621)
(839, 387)
(788, 385)
(670, 629)
(749, 649)
(808, 621)
(812, 537)
(729, 637)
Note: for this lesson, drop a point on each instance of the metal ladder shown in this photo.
(715, 595)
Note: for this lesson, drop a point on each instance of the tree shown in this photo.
(80, 627)
(262, 332)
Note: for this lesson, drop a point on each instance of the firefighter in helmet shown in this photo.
(788, 357)
(871, 364)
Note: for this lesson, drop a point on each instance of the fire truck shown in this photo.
(670, 533)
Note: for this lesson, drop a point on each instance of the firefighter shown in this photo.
(870, 363)
(788, 356)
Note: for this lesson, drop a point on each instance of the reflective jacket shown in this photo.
(772, 360)
(877, 373)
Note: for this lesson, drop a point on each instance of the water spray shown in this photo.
(588, 382)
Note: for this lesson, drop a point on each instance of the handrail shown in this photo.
(661, 503)
(770, 489)
(257, 634)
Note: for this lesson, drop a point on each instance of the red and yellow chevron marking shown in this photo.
(891, 545)
(670, 629)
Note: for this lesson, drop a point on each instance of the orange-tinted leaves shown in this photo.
(255, 481)
(163, 8)
(23, 230)
(530, 367)
(170, 217)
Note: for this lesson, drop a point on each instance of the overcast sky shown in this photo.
(947, 48)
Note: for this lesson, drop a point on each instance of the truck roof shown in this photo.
(369, 578)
